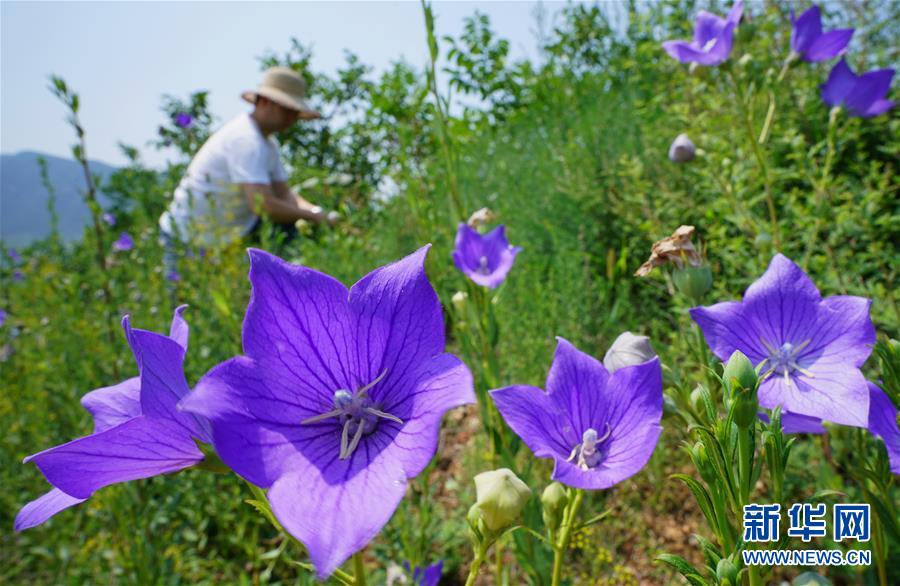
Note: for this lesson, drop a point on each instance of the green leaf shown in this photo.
(702, 496)
(684, 568)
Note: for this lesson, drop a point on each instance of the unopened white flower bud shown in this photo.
(682, 149)
(628, 350)
(501, 497)
(459, 300)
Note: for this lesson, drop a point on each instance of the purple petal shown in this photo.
(841, 82)
(835, 393)
(179, 330)
(138, 448)
(878, 108)
(44, 507)
(112, 406)
(869, 88)
(806, 30)
(428, 576)
(335, 512)
(536, 419)
(883, 423)
(734, 15)
(255, 421)
(577, 385)
(707, 27)
(442, 383)
(684, 51)
(493, 247)
(726, 329)
(398, 325)
(793, 423)
(298, 328)
(720, 50)
(828, 45)
(843, 333)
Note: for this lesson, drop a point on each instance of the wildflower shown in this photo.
(682, 149)
(18, 276)
(628, 350)
(3, 315)
(599, 428)
(676, 249)
(485, 259)
(501, 496)
(338, 398)
(713, 36)
(883, 423)
(808, 40)
(125, 242)
(14, 256)
(809, 348)
(173, 276)
(138, 433)
(862, 95)
(184, 120)
(481, 217)
(109, 219)
(427, 576)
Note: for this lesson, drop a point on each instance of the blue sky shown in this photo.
(121, 57)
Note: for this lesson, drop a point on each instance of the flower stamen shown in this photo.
(588, 452)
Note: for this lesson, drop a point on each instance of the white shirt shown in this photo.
(208, 203)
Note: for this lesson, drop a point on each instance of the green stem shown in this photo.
(498, 563)
(822, 188)
(476, 565)
(559, 551)
(745, 463)
(359, 569)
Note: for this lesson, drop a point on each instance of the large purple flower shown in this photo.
(338, 399)
(811, 347)
(125, 242)
(863, 95)
(808, 40)
(138, 432)
(713, 37)
(599, 428)
(484, 259)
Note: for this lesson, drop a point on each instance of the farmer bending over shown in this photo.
(238, 172)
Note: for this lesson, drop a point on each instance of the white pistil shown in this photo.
(587, 451)
(783, 360)
(356, 410)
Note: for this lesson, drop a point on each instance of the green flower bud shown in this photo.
(741, 380)
(739, 373)
(553, 500)
(501, 497)
(697, 399)
(701, 461)
(693, 282)
(728, 573)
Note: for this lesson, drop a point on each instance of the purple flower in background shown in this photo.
(173, 276)
(138, 433)
(18, 276)
(713, 37)
(124, 242)
(184, 120)
(484, 259)
(14, 256)
(427, 576)
(599, 428)
(338, 399)
(863, 95)
(3, 315)
(883, 423)
(109, 219)
(810, 348)
(808, 40)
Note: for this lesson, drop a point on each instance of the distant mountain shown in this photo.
(23, 199)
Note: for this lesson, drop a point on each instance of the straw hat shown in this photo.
(286, 87)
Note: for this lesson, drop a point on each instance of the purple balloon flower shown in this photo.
(14, 256)
(173, 276)
(3, 315)
(427, 576)
(808, 40)
(138, 433)
(599, 428)
(863, 95)
(125, 242)
(713, 37)
(184, 120)
(338, 399)
(18, 276)
(811, 347)
(109, 219)
(484, 259)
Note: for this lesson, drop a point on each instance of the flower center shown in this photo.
(483, 268)
(708, 45)
(587, 454)
(357, 414)
(783, 360)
